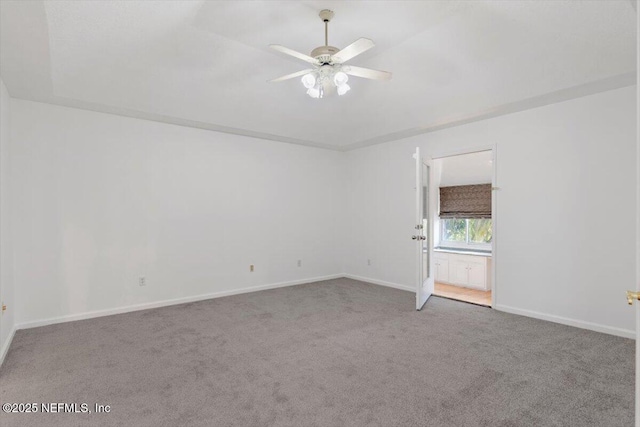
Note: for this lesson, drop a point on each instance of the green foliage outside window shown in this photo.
(474, 231)
(479, 230)
(455, 230)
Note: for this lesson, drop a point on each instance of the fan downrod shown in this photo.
(323, 53)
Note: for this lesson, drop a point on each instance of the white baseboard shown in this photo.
(164, 303)
(625, 333)
(379, 282)
(145, 306)
(5, 347)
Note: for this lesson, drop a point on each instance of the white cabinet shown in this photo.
(477, 269)
(441, 264)
(458, 271)
(472, 271)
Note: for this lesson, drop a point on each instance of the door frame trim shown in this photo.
(494, 204)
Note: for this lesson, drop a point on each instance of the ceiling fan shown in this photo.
(330, 74)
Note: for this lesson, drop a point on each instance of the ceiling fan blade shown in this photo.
(354, 49)
(291, 52)
(291, 76)
(366, 73)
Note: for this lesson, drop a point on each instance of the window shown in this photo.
(466, 232)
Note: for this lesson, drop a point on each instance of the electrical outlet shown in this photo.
(142, 281)
(368, 262)
(251, 268)
(299, 263)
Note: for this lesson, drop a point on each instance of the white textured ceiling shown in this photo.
(206, 64)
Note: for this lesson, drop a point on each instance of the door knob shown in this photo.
(631, 296)
(414, 237)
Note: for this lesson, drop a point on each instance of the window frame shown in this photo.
(466, 244)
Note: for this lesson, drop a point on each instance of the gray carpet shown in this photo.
(334, 353)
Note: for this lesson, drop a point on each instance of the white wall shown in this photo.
(566, 208)
(6, 254)
(101, 200)
(465, 169)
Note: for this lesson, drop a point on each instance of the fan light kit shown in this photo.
(329, 74)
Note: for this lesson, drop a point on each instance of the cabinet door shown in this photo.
(478, 274)
(458, 273)
(442, 270)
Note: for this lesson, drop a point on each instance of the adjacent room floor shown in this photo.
(459, 293)
(334, 353)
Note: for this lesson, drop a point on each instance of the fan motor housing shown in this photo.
(323, 53)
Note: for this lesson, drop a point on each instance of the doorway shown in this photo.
(464, 227)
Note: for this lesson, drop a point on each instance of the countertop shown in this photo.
(462, 251)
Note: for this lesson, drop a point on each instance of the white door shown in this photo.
(637, 367)
(631, 297)
(425, 208)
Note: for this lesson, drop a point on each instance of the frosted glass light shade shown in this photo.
(340, 78)
(309, 81)
(343, 88)
(314, 92)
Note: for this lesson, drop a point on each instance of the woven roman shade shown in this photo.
(465, 201)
